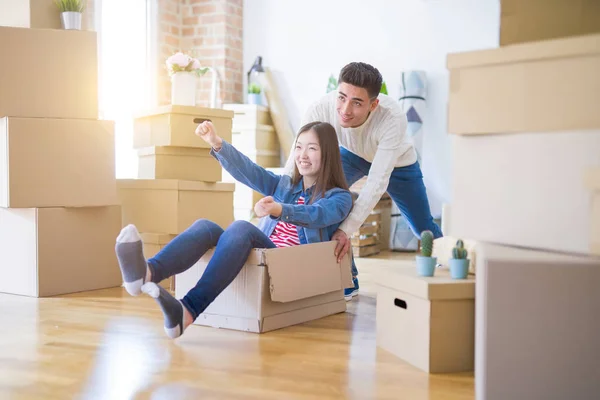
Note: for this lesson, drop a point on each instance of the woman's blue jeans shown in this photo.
(233, 246)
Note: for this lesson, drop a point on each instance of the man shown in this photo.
(371, 130)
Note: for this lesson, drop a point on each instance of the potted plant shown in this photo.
(184, 71)
(459, 263)
(254, 94)
(425, 262)
(71, 11)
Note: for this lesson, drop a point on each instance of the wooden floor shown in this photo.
(107, 345)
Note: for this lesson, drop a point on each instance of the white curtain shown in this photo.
(127, 81)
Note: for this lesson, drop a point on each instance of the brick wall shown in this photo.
(212, 31)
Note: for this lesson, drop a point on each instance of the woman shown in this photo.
(304, 208)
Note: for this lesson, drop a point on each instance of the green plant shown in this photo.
(70, 5)
(459, 252)
(254, 88)
(332, 84)
(426, 243)
(383, 88)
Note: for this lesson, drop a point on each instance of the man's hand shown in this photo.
(208, 133)
(267, 206)
(343, 244)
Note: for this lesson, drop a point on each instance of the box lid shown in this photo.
(174, 151)
(576, 46)
(200, 112)
(245, 107)
(404, 278)
(309, 270)
(592, 178)
(156, 238)
(175, 184)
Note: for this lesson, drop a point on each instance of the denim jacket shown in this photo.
(316, 222)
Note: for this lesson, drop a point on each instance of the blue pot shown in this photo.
(426, 265)
(254, 98)
(459, 268)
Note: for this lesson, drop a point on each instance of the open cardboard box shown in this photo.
(276, 288)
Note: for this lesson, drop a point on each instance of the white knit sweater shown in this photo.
(381, 140)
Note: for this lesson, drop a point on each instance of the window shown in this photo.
(127, 73)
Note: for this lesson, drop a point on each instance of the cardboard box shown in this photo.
(536, 325)
(260, 138)
(174, 126)
(249, 116)
(534, 87)
(153, 243)
(185, 163)
(511, 190)
(53, 251)
(532, 20)
(276, 288)
(37, 85)
(48, 162)
(427, 322)
(170, 206)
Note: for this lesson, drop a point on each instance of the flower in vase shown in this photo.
(180, 62)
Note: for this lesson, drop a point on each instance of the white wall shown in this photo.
(303, 42)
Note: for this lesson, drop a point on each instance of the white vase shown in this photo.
(183, 88)
(71, 20)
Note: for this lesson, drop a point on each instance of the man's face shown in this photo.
(353, 105)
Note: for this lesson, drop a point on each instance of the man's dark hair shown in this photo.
(362, 75)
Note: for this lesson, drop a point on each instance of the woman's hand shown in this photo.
(267, 206)
(208, 133)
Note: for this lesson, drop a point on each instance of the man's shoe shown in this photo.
(349, 293)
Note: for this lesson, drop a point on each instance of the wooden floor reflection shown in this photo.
(107, 345)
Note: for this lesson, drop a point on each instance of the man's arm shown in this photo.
(388, 152)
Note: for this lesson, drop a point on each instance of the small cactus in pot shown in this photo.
(425, 262)
(459, 263)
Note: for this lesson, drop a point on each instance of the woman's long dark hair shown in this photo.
(331, 174)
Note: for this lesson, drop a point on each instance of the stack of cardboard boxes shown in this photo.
(59, 214)
(254, 135)
(526, 133)
(178, 181)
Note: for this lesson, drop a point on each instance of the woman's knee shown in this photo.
(240, 227)
(201, 225)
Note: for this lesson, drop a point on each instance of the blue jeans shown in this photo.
(233, 246)
(406, 188)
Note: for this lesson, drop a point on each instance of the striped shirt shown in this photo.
(286, 234)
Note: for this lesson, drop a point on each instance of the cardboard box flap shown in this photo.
(156, 238)
(174, 184)
(587, 45)
(592, 178)
(199, 112)
(174, 151)
(439, 287)
(303, 271)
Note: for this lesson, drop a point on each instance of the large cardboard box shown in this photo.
(536, 325)
(170, 206)
(48, 162)
(52, 251)
(173, 125)
(260, 138)
(153, 243)
(534, 87)
(48, 73)
(249, 116)
(185, 163)
(428, 322)
(533, 20)
(276, 288)
(524, 190)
